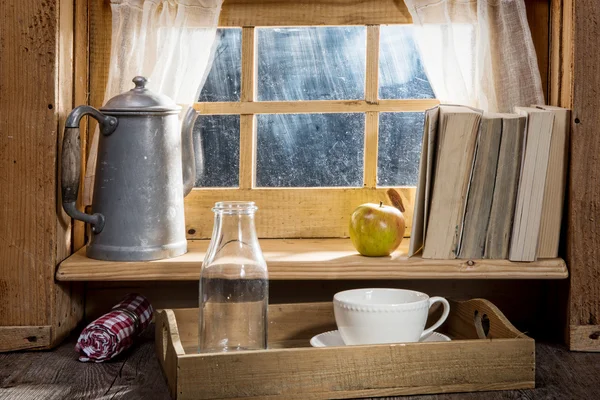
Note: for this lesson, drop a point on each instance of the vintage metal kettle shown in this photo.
(145, 167)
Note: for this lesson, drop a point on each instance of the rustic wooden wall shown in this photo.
(581, 29)
(35, 95)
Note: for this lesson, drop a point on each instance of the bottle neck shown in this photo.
(234, 227)
(234, 241)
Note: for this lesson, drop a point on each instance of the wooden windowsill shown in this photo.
(305, 259)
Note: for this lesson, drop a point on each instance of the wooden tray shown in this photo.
(487, 353)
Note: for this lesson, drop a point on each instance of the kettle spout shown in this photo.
(187, 150)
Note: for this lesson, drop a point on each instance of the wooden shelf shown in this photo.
(305, 259)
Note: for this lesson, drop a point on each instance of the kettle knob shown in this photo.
(140, 82)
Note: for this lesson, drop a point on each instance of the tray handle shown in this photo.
(480, 319)
(168, 346)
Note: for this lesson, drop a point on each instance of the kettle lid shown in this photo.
(140, 99)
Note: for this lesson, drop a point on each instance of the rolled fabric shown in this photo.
(112, 333)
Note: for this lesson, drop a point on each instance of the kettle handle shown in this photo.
(71, 162)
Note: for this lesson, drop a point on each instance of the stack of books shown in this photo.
(491, 185)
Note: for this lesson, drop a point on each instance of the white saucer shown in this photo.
(334, 339)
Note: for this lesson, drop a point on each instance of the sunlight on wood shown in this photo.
(303, 259)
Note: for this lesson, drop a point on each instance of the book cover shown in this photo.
(532, 183)
(457, 136)
(481, 188)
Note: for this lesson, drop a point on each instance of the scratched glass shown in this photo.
(313, 150)
(310, 150)
(401, 73)
(223, 81)
(399, 150)
(217, 150)
(315, 63)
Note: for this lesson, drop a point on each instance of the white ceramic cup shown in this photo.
(371, 316)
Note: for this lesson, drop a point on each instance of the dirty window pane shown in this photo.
(400, 136)
(310, 150)
(316, 63)
(217, 150)
(223, 81)
(401, 74)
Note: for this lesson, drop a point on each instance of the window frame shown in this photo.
(92, 50)
(314, 212)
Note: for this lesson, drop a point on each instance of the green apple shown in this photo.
(376, 230)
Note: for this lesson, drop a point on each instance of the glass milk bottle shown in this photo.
(234, 283)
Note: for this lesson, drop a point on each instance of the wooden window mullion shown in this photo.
(372, 117)
(247, 121)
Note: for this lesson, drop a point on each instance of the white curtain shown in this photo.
(170, 42)
(478, 52)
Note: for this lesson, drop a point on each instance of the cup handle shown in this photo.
(427, 332)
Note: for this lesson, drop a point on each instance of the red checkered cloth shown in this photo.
(114, 332)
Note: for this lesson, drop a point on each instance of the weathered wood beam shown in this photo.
(36, 81)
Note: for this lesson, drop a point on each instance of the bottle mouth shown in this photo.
(235, 207)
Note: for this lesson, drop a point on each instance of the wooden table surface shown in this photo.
(136, 375)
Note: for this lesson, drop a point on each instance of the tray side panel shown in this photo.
(292, 325)
(391, 392)
(465, 321)
(187, 320)
(323, 373)
(287, 323)
(299, 321)
(168, 347)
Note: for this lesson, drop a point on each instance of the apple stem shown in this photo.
(381, 204)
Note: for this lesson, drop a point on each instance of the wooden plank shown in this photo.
(556, 48)
(64, 105)
(372, 117)
(100, 18)
(247, 151)
(317, 106)
(100, 29)
(81, 96)
(248, 71)
(167, 350)
(68, 309)
(372, 66)
(27, 161)
(247, 121)
(24, 337)
(313, 12)
(538, 16)
(584, 338)
(371, 149)
(67, 299)
(583, 237)
(36, 94)
(561, 94)
(291, 212)
(561, 54)
(566, 66)
(309, 259)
